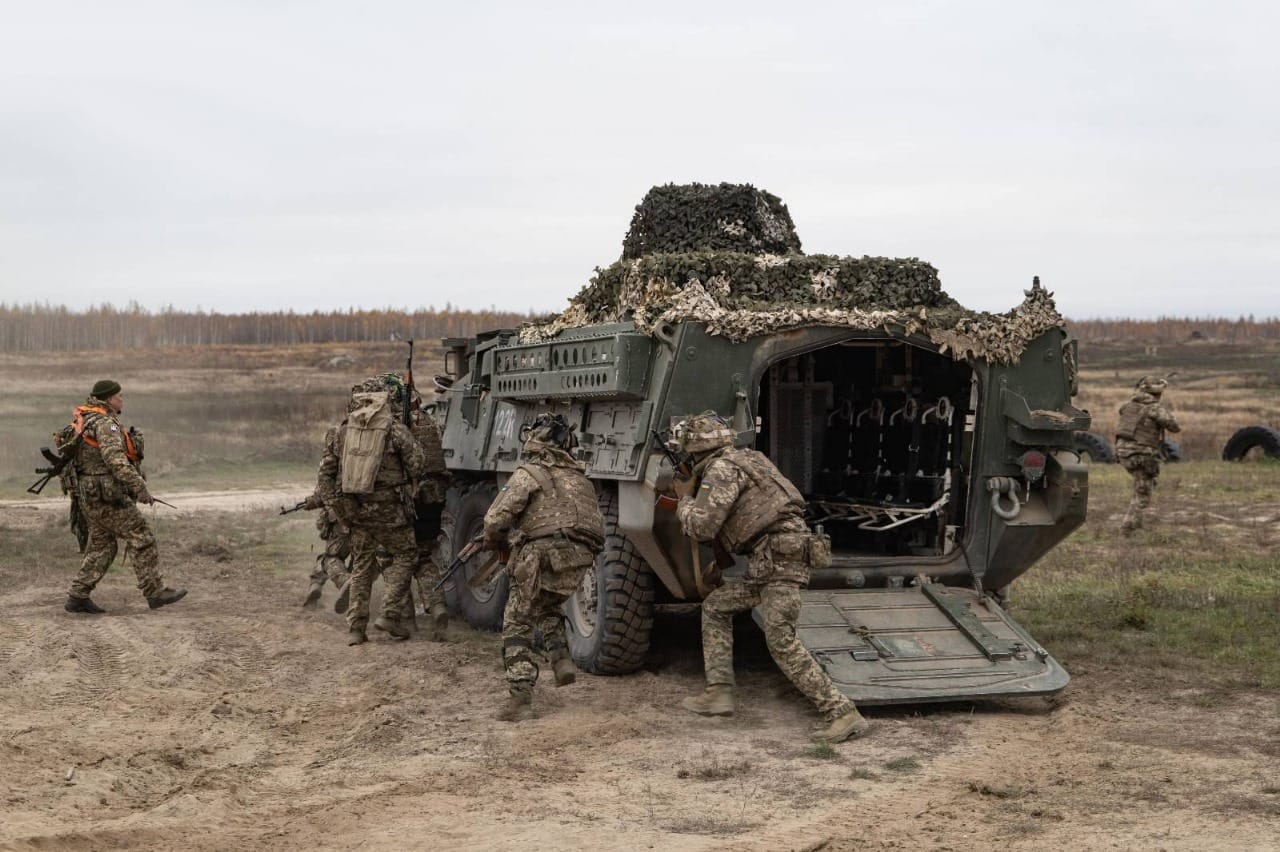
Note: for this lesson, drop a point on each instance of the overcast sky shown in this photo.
(269, 155)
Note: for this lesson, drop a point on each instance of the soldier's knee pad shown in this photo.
(517, 648)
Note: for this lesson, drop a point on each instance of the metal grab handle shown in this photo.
(910, 410)
(941, 410)
(1002, 486)
(875, 409)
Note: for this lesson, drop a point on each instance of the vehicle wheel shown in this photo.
(1250, 438)
(1170, 451)
(463, 518)
(610, 617)
(1093, 448)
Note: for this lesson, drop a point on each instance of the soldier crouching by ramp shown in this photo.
(550, 506)
(741, 498)
(110, 486)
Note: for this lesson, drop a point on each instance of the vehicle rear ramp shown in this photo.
(923, 643)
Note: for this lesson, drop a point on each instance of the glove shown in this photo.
(312, 502)
(144, 497)
(495, 540)
(684, 486)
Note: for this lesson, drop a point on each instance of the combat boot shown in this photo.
(356, 636)
(409, 618)
(566, 671)
(439, 623)
(166, 596)
(393, 628)
(518, 707)
(344, 598)
(75, 604)
(851, 724)
(313, 596)
(715, 700)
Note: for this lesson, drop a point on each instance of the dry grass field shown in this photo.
(237, 720)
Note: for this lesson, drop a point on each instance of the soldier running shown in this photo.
(745, 502)
(110, 485)
(1143, 422)
(550, 508)
(367, 473)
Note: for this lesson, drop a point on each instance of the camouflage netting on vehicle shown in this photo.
(682, 274)
(699, 217)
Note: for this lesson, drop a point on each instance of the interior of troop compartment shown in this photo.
(878, 437)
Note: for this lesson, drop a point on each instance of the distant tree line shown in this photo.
(28, 328)
(1176, 330)
(35, 328)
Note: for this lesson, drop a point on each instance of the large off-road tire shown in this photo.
(1250, 438)
(1171, 451)
(610, 617)
(464, 517)
(1094, 448)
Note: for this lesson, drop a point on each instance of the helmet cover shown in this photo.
(702, 433)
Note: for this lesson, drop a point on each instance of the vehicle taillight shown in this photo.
(1033, 465)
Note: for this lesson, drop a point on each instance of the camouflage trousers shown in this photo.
(426, 531)
(396, 538)
(107, 524)
(332, 564)
(1145, 469)
(779, 604)
(544, 574)
(427, 573)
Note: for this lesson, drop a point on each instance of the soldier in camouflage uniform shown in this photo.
(428, 508)
(110, 486)
(1139, 435)
(743, 501)
(382, 516)
(332, 563)
(548, 508)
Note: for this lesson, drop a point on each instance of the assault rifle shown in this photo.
(487, 572)
(408, 387)
(57, 463)
(682, 465)
(296, 507)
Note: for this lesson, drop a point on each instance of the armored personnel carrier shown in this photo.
(932, 443)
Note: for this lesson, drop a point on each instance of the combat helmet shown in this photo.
(702, 433)
(389, 383)
(1153, 385)
(548, 430)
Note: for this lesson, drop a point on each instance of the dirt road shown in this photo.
(237, 720)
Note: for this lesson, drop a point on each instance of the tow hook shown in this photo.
(1001, 487)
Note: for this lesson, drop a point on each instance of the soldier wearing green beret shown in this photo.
(109, 484)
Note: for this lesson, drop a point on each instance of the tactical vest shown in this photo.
(364, 443)
(564, 502)
(768, 499)
(434, 484)
(427, 433)
(1135, 424)
(90, 461)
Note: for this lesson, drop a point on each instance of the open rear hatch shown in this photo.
(923, 643)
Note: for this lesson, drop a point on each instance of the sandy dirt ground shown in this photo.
(235, 719)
